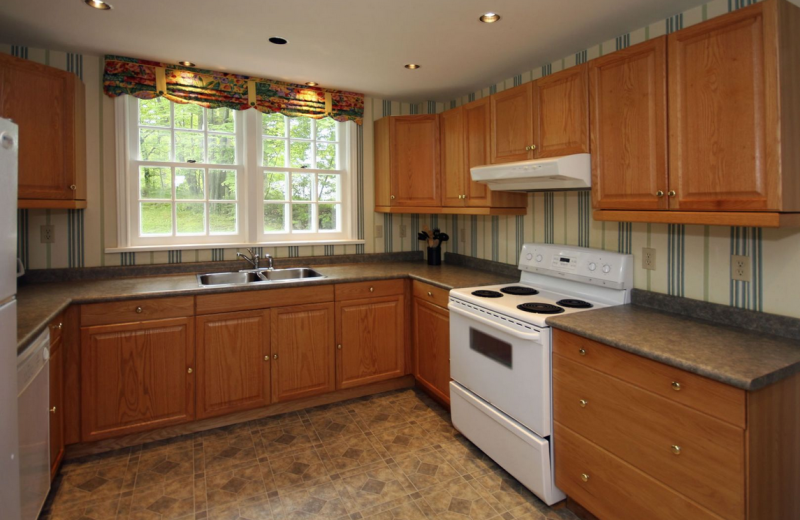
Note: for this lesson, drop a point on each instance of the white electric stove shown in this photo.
(501, 353)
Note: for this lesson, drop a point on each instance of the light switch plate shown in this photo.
(740, 268)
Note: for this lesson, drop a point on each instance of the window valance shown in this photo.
(149, 79)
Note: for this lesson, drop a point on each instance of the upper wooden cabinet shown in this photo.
(628, 111)
(48, 104)
(561, 113)
(512, 124)
(451, 136)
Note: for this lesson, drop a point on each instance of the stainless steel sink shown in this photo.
(257, 276)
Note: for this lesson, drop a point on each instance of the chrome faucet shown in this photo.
(253, 258)
(268, 257)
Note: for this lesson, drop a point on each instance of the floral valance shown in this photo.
(148, 80)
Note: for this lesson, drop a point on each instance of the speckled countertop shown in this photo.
(38, 304)
(738, 357)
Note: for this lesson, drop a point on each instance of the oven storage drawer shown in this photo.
(520, 452)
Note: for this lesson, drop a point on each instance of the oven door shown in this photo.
(503, 364)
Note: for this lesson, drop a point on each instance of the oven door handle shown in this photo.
(530, 336)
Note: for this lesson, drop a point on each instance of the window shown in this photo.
(191, 176)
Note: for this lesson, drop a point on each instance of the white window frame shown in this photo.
(249, 189)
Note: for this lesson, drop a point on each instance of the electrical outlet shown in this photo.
(403, 230)
(649, 258)
(48, 234)
(462, 236)
(740, 268)
(378, 231)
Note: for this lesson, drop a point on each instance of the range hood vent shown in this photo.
(569, 172)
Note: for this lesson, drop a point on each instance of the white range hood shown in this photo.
(569, 172)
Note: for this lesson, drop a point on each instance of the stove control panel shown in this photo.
(595, 266)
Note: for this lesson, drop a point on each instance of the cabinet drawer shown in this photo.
(711, 397)
(136, 310)
(645, 430)
(431, 293)
(56, 331)
(374, 289)
(611, 488)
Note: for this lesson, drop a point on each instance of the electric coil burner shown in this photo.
(574, 304)
(487, 294)
(518, 290)
(540, 308)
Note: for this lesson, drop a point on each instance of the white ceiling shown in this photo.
(358, 45)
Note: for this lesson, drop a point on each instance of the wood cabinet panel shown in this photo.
(512, 124)
(432, 348)
(136, 310)
(370, 339)
(303, 360)
(371, 289)
(56, 405)
(431, 293)
(643, 429)
(628, 108)
(233, 362)
(135, 377)
(255, 300)
(560, 109)
(414, 162)
(454, 170)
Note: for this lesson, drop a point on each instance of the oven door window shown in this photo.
(491, 347)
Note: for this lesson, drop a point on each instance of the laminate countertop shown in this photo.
(38, 304)
(735, 356)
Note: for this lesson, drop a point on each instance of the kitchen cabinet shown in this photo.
(512, 124)
(431, 337)
(454, 180)
(48, 104)
(56, 364)
(136, 376)
(303, 359)
(561, 113)
(233, 362)
(628, 111)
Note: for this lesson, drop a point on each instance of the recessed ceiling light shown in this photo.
(312, 83)
(98, 4)
(186, 63)
(412, 66)
(277, 40)
(489, 17)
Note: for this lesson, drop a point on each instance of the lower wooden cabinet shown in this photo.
(431, 335)
(233, 362)
(370, 340)
(56, 398)
(136, 377)
(303, 361)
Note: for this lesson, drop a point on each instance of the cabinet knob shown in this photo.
(339, 347)
(671, 193)
(584, 477)
(583, 403)
(275, 356)
(391, 197)
(676, 386)
(53, 410)
(430, 294)
(676, 449)
(58, 327)
(527, 148)
(582, 351)
(266, 358)
(659, 193)
(189, 370)
(73, 187)
(371, 289)
(139, 310)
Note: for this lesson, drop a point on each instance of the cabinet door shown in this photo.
(45, 103)
(512, 126)
(135, 377)
(415, 160)
(628, 110)
(561, 113)
(56, 406)
(370, 340)
(303, 348)
(723, 118)
(432, 348)
(454, 171)
(233, 360)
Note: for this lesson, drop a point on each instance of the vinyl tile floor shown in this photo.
(391, 456)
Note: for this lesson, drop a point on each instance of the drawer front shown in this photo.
(431, 293)
(711, 397)
(375, 289)
(263, 299)
(56, 331)
(136, 310)
(610, 488)
(643, 429)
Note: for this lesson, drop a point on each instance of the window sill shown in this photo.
(190, 247)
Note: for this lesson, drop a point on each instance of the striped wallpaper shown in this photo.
(692, 261)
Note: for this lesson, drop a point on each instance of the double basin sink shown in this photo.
(257, 276)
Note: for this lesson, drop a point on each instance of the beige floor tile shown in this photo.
(280, 440)
(303, 468)
(426, 468)
(319, 502)
(405, 439)
(352, 452)
(457, 499)
(170, 500)
(232, 486)
(372, 485)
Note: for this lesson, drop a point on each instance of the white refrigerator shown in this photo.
(9, 434)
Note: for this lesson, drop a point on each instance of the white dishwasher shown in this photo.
(33, 398)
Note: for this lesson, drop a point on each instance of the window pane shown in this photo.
(154, 145)
(301, 217)
(222, 184)
(300, 127)
(302, 185)
(154, 112)
(274, 152)
(189, 147)
(221, 149)
(189, 116)
(155, 183)
(191, 217)
(221, 120)
(328, 187)
(274, 186)
(156, 218)
(326, 129)
(329, 217)
(223, 218)
(273, 124)
(300, 154)
(189, 184)
(274, 218)
(326, 156)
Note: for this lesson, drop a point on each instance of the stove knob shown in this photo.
(529, 256)
(606, 268)
(538, 258)
(592, 266)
